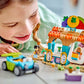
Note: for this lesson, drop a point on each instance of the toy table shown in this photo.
(46, 75)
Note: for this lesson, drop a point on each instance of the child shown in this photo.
(17, 20)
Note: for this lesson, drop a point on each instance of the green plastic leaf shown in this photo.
(43, 50)
(73, 20)
(65, 17)
(80, 18)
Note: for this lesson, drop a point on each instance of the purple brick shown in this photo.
(73, 77)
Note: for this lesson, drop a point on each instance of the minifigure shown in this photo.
(36, 52)
(78, 51)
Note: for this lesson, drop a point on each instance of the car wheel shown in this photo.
(4, 66)
(18, 71)
(36, 68)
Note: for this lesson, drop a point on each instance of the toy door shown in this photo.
(49, 55)
(76, 54)
(63, 58)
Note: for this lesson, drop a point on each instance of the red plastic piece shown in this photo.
(81, 25)
(68, 36)
(80, 38)
(55, 29)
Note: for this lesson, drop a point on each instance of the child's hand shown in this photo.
(6, 48)
(74, 2)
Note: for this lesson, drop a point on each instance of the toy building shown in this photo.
(72, 47)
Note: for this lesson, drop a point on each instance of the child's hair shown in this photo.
(5, 3)
(36, 46)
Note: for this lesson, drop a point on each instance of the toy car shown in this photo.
(19, 64)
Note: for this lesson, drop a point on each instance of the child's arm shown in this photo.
(48, 20)
(6, 48)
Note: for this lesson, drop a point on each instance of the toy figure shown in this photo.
(78, 51)
(36, 52)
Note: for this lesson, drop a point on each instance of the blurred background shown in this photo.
(64, 7)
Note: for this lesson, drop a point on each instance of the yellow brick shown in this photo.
(74, 55)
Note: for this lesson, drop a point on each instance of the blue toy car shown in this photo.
(19, 64)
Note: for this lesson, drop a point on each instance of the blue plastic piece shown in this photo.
(53, 46)
(35, 56)
(49, 45)
(66, 49)
(67, 26)
(72, 29)
(74, 58)
(45, 57)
